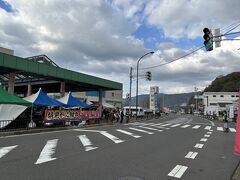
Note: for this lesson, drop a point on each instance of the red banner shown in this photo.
(237, 138)
(69, 114)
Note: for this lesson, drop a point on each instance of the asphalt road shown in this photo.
(172, 147)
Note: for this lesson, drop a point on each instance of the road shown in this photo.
(171, 147)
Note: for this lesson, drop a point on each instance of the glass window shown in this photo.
(222, 96)
(214, 95)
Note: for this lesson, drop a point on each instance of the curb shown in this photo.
(32, 131)
(236, 173)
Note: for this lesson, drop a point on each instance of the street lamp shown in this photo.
(137, 80)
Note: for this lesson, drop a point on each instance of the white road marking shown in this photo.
(191, 155)
(5, 150)
(140, 130)
(162, 127)
(206, 135)
(111, 137)
(128, 133)
(151, 128)
(178, 171)
(176, 125)
(86, 130)
(47, 152)
(165, 125)
(203, 140)
(185, 126)
(220, 128)
(196, 127)
(209, 132)
(86, 143)
(232, 129)
(207, 128)
(199, 146)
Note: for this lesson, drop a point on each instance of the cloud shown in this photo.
(96, 37)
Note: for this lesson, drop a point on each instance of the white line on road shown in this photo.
(176, 125)
(165, 125)
(5, 150)
(209, 132)
(191, 155)
(207, 128)
(220, 128)
(86, 130)
(151, 128)
(47, 152)
(128, 133)
(140, 130)
(111, 137)
(178, 171)
(206, 135)
(185, 126)
(232, 129)
(203, 140)
(199, 146)
(86, 143)
(196, 127)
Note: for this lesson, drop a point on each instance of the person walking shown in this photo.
(121, 116)
(225, 120)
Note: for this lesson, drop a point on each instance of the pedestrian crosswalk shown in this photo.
(117, 136)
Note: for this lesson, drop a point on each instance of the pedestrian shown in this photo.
(225, 120)
(122, 116)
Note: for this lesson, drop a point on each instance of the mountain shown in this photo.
(228, 83)
(169, 100)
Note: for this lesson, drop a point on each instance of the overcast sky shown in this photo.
(106, 37)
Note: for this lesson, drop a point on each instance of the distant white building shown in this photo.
(214, 102)
(153, 105)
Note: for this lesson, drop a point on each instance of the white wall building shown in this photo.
(218, 101)
(153, 104)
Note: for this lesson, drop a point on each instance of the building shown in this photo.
(153, 98)
(215, 102)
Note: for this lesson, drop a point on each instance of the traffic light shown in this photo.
(208, 37)
(149, 76)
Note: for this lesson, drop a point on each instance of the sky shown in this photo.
(105, 38)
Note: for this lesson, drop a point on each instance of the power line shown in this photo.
(192, 52)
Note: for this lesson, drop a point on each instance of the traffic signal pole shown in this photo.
(130, 93)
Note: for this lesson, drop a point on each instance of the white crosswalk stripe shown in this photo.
(232, 129)
(140, 130)
(128, 133)
(196, 127)
(206, 135)
(5, 150)
(207, 127)
(165, 125)
(47, 152)
(111, 137)
(185, 126)
(191, 155)
(86, 143)
(176, 125)
(220, 128)
(149, 128)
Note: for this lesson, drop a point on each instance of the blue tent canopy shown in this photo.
(71, 101)
(41, 99)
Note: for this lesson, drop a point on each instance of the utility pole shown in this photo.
(130, 92)
(196, 89)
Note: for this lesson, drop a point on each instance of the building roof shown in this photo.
(48, 77)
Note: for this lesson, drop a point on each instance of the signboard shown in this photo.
(231, 112)
(69, 114)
